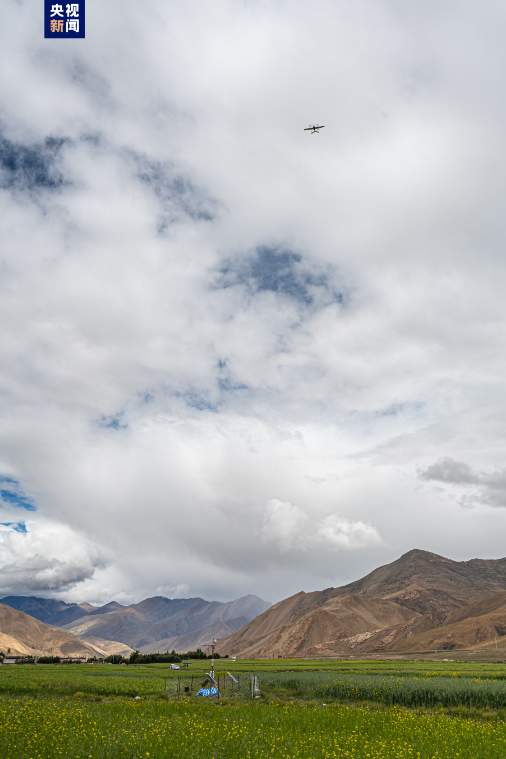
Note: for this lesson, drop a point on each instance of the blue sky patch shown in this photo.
(282, 271)
(113, 421)
(12, 494)
(17, 527)
(198, 401)
(226, 381)
(228, 385)
(30, 167)
(176, 194)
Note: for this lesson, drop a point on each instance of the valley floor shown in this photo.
(308, 710)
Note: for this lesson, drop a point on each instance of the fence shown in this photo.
(226, 685)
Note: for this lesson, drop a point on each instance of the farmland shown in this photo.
(308, 709)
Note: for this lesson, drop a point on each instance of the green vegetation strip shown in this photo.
(406, 691)
(107, 711)
(71, 727)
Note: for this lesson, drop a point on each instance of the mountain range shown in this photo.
(55, 612)
(154, 624)
(22, 635)
(419, 603)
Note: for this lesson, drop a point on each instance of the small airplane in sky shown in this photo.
(315, 128)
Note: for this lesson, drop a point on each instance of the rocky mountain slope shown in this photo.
(421, 602)
(155, 624)
(55, 612)
(160, 624)
(21, 635)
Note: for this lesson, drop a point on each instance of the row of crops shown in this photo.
(59, 727)
(348, 711)
(99, 680)
(460, 686)
(390, 689)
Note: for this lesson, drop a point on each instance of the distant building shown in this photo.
(73, 660)
(13, 659)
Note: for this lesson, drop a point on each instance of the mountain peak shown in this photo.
(419, 553)
(419, 602)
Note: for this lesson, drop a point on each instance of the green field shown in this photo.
(308, 709)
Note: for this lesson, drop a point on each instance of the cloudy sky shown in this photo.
(236, 357)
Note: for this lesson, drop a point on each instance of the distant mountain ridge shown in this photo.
(154, 624)
(22, 635)
(52, 611)
(420, 602)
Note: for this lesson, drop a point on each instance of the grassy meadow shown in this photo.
(308, 709)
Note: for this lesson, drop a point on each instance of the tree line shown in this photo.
(168, 657)
(135, 658)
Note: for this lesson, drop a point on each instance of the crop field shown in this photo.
(429, 690)
(308, 709)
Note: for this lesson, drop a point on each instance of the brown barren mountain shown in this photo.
(163, 624)
(22, 635)
(420, 602)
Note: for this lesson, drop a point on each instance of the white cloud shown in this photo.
(347, 534)
(290, 528)
(284, 524)
(476, 488)
(49, 558)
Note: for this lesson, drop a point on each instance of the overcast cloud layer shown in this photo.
(236, 357)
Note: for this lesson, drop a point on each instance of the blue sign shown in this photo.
(207, 692)
(64, 20)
